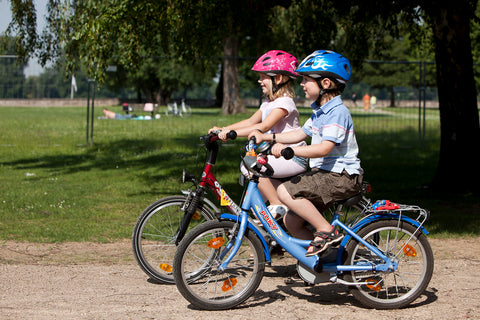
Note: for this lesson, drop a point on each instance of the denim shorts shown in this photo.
(323, 188)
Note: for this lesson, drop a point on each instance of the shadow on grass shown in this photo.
(152, 161)
(396, 172)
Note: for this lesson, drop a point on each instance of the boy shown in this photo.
(336, 173)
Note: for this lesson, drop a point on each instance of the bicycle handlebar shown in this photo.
(287, 153)
(213, 136)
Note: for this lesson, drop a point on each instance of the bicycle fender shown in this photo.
(374, 218)
(251, 226)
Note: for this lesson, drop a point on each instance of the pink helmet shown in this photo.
(277, 62)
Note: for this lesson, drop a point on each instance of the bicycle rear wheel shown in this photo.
(153, 235)
(198, 257)
(396, 289)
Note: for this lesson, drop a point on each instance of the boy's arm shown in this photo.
(314, 151)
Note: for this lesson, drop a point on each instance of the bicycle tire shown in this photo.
(152, 236)
(397, 289)
(196, 273)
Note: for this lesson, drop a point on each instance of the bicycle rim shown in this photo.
(198, 258)
(396, 289)
(153, 236)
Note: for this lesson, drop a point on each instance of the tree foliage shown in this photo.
(91, 33)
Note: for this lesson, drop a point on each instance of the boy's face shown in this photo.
(310, 87)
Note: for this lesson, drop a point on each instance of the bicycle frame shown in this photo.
(208, 180)
(297, 247)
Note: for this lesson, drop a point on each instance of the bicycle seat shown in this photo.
(350, 202)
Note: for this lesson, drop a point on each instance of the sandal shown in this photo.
(327, 239)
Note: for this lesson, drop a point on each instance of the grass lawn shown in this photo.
(54, 188)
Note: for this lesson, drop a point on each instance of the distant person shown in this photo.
(277, 114)
(366, 102)
(354, 99)
(373, 101)
(112, 115)
(126, 108)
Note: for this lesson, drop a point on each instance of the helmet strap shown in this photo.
(339, 87)
(276, 86)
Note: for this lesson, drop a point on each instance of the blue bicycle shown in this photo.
(385, 257)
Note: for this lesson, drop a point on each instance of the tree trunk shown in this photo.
(459, 121)
(231, 99)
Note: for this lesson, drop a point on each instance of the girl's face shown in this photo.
(310, 87)
(265, 83)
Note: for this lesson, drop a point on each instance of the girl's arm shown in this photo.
(273, 118)
(290, 137)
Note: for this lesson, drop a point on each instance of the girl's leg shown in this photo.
(269, 190)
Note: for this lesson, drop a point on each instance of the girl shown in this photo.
(277, 114)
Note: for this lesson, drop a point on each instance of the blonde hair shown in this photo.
(284, 90)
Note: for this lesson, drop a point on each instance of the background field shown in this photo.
(55, 188)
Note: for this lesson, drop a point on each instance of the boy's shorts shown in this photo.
(323, 188)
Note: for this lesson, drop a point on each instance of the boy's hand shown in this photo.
(277, 149)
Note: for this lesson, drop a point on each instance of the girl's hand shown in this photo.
(214, 129)
(222, 135)
(259, 137)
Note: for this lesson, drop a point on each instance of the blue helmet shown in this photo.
(326, 63)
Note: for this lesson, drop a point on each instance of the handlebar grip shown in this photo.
(232, 135)
(288, 153)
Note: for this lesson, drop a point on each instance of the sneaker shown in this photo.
(278, 211)
(327, 239)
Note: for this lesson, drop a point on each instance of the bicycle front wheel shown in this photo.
(198, 257)
(153, 235)
(403, 243)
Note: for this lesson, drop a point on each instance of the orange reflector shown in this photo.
(196, 216)
(216, 243)
(409, 251)
(229, 284)
(166, 267)
(375, 287)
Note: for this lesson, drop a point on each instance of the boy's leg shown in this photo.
(304, 209)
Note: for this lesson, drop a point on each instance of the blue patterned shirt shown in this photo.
(333, 122)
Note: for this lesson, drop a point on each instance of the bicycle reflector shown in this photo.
(229, 284)
(216, 243)
(373, 285)
(409, 251)
(166, 267)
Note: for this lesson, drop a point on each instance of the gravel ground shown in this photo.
(102, 281)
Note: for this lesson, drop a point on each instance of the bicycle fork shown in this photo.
(191, 205)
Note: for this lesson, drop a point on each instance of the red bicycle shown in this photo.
(164, 223)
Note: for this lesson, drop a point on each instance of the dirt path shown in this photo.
(102, 281)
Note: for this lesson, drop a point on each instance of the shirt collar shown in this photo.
(317, 111)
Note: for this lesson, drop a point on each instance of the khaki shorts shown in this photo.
(323, 188)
